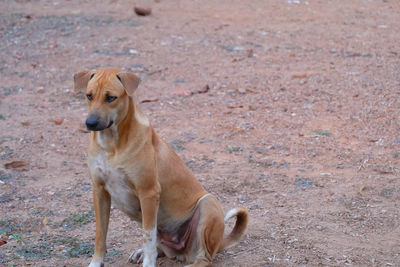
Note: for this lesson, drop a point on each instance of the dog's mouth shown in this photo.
(93, 124)
(109, 125)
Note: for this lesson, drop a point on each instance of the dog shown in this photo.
(131, 166)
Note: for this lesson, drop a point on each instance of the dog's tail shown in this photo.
(242, 218)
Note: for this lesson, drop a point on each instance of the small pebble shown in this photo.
(299, 75)
(25, 123)
(382, 27)
(58, 121)
(242, 200)
(252, 107)
(142, 11)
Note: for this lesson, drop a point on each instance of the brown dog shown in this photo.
(130, 165)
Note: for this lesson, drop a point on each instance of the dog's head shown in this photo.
(107, 93)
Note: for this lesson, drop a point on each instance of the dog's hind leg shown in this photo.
(210, 232)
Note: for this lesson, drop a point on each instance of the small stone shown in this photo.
(52, 45)
(40, 90)
(252, 107)
(142, 11)
(261, 151)
(387, 192)
(261, 176)
(382, 27)
(133, 52)
(25, 123)
(232, 48)
(299, 75)
(303, 182)
(242, 90)
(242, 200)
(233, 149)
(340, 166)
(58, 121)
(204, 90)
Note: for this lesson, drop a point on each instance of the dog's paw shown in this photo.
(136, 256)
(96, 264)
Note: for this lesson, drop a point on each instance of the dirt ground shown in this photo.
(300, 125)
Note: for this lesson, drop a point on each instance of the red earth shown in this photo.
(300, 124)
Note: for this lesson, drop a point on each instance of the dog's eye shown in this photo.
(110, 99)
(89, 97)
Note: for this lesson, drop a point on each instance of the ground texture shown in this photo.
(300, 124)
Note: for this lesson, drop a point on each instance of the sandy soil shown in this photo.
(300, 125)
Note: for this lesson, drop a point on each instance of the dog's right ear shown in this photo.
(81, 79)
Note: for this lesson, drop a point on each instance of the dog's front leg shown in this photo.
(102, 203)
(149, 201)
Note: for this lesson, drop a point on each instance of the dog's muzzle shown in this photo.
(93, 123)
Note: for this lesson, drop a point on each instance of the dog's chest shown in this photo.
(117, 185)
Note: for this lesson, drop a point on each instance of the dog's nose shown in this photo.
(92, 122)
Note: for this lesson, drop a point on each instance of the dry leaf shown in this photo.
(149, 100)
(17, 165)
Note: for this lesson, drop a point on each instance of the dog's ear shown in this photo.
(81, 79)
(129, 80)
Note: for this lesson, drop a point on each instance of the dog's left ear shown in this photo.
(130, 81)
(81, 79)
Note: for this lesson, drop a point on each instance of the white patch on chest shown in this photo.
(117, 185)
(101, 140)
(108, 137)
